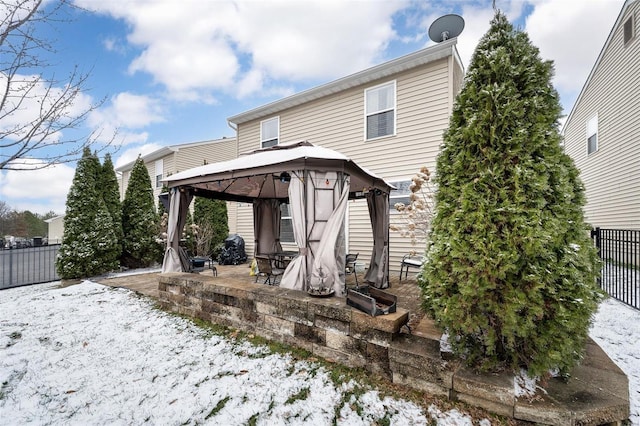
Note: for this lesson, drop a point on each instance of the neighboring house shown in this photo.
(389, 118)
(56, 229)
(602, 132)
(176, 158)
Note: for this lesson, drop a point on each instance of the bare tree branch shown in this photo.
(40, 115)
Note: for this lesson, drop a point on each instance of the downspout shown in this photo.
(235, 129)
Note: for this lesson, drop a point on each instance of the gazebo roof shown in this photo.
(264, 173)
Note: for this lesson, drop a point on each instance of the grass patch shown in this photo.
(253, 420)
(340, 374)
(300, 396)
(219, 406)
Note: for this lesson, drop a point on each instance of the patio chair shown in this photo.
(195, 264)
(410, 261)
(266, 269)
(350, 266)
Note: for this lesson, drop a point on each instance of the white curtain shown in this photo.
(328, 263)
(178, 208)
(266, 226)
(295, 276)
(378, 272)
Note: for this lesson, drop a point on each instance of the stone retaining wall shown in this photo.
(382, 345)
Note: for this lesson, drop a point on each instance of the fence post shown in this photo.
(10, 266)
(596, 235)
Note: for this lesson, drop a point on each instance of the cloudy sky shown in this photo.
(172, 71)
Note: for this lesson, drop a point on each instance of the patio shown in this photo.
(597, 392)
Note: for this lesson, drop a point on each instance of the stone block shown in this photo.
(333, 308)
(334, 355)
(498, 388)
(266, 308)
(378, 360)
(266, 297)
(176, 298)
(428, 370)
(331, 324)
(489, 405)
(413, 350)
(390, 323)
(308, 333)
(279, 325)
(294, 309)
(340, 341)
(191, 287)
(419, 384)
(359, 330)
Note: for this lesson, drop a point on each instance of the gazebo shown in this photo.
(317, 183)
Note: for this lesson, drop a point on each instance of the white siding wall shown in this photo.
(424, 102)
(612, 174)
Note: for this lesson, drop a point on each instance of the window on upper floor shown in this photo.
(380, 110)
(159, 172)
(269, 132)
(400, 194)
(628, 30)
(592, 135)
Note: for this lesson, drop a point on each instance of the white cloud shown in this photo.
(238, 47)
(572, 35)
(131, 154)
(125, 113)
(28, 96)
(38, 191)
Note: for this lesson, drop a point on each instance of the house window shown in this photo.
(592, 135)
(628, 30)
(399, 195)
(159, 172)
(269, 132)
(286, 225)
(380, 105)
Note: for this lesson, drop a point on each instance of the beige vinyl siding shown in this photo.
(213, 152)
(611, 175)
(423, 106)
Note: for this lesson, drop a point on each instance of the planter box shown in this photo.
(371, 300)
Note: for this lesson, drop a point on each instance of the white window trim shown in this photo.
(394, 109)
(589, 127)
(392, 196)
(282, 218)
(262, 140)
(159, 171)
(631, 18)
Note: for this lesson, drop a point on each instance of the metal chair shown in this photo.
(410, 261)
(350, 266)
(266, 268)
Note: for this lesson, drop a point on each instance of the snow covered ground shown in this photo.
(89, 354)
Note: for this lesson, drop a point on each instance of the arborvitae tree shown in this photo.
(89, 246)
(139, 220)
(511, 270)
(211, 216)
(108, 187)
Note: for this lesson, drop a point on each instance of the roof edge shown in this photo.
(165, 150)
(625, 6)
(412, 60)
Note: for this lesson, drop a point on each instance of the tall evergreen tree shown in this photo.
(211, 215)
(89, 244)
(139, 220)
(108, 186)
(511, 271)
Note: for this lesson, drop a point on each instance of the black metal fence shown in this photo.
(26, 266)
(619, 250)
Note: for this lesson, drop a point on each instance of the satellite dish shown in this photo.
(446, 27)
